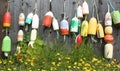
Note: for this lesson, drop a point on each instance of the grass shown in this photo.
(44, 58)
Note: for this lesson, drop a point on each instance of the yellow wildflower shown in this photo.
(26, 63)
(52, 68)
(58, 54)
(53, 63)
(0, 61)
(4, 62)
(30, 70)
(75, 63)
(78, 67)
(79, 64)
(68, 58)
(74, 66)
(58, 64)
(14, 68)
(94, 59)
(9, 69)
(59, 59)
(118, 66)
(87, 65)
(83, 62)
(69, 67)
(42, 69)
(87, 70)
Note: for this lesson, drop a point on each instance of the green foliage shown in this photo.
(45, 58)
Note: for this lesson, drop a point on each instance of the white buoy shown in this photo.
(33, 35)
(108, 19)
(21, 19)
(35, 22)
(85, 8)
(79, 12)
(20, 35)
(108, 51)
(55, 24)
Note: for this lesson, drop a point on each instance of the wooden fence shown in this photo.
(57, 7)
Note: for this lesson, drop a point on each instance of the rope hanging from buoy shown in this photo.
(6, 42)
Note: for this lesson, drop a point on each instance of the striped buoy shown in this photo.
(7, 20)
(20, 35)
(21, 19)
(64, 27)
(47, 20)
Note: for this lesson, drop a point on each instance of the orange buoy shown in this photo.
(21, 19)
(108, 38)
(20, 35)
(47, 21)
(7, 20)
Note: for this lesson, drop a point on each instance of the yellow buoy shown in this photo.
(92, 27)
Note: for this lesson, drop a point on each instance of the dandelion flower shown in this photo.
(94, 59)
(42, 69)
(75, 63)
(53, 63)
(69, 67)
(58, 54)
(9, 69)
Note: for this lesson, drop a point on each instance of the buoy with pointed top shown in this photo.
(47, 20)
(20, 35)
(21, 19)
(79, 12)
(108, 19)
(84, 28)
(74, 25)
(64, 27)
(108, 51)
(85, 8)
(7, 20)
(35, 22)
(100, 32)
(55, 24)
(29, 18)
(6, 44)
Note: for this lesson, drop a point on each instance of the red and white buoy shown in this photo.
(47, 20)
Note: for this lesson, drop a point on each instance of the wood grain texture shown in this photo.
(48, 34)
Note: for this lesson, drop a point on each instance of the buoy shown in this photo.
(85, 8)
(35, 22)
(20, 35)
(64, 27)
(108, 30)
(108, 51)
(79, 12)
(47, 20)
(7, 20)
(6, 44)
(116, 18)
(100, 32)
(78, 39)
(108, 38)
(55, 24)
(84, 28)
(33, 35)
(108, 19)
(21, 19)
(92, 27)
(74, 25)
(29, 18)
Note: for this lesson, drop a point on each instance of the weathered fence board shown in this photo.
(48, 34)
